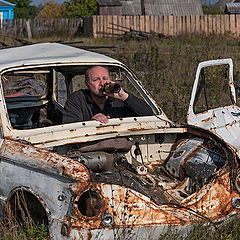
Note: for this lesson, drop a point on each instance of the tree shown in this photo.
(52, 9)
(23, 9)
(81, 8)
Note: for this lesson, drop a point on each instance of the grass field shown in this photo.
(166, 67)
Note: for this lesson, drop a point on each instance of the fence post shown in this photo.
(238, 25)
(218, 22)
(232, 24)
(142, 23)
(198, 28)
(226, 24)
(29, 32)
(165, 25)
(170, 25)
(89, 26)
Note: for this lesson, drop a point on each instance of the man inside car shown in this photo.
(94, 103)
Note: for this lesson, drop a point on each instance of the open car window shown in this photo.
(26, 94)
(25, 83)
(36, 97)
(213, 92)
(69, 82)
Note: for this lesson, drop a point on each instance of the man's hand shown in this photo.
(121, 95)
(101, 118)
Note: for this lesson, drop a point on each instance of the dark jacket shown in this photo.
(80, 107)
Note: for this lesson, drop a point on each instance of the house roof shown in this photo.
(109, 2)
(232, 8)
(49, 53)
(162, 7)
(222, 3)
(5, 3)
(131, 7)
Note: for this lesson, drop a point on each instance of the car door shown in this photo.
(213, 104)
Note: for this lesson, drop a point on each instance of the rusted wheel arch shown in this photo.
(25, 204)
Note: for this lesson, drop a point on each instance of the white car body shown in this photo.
(89, 192)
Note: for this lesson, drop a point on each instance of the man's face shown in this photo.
(98, 76)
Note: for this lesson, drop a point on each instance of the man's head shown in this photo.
(95, 78)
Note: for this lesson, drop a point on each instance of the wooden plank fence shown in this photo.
(114, 26)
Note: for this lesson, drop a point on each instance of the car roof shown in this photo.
(49, 53)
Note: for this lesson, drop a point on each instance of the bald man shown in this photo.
(95, 104)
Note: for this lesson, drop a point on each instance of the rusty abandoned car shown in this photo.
(131, 178)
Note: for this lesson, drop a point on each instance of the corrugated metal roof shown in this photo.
(232, 8)
(109, 2)
(131, 7)
(162, 7)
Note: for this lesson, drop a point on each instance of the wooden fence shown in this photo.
(37, 28)
(112, 26)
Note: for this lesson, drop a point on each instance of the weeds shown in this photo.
(18, 223)
(11, 229)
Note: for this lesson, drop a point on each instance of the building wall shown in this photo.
(7, 12)
(162, 7)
